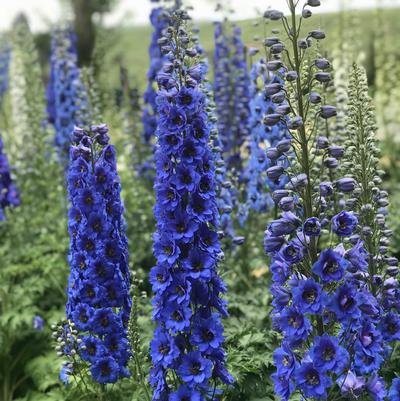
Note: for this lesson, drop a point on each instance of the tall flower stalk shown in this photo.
(66, 97)
(98, 306)
(187, 354)
(331, 345)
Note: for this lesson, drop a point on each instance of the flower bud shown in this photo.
(322, 63)
(328, 112)
(286, 204)
(322, 142)
(271, 89)
(277, 48)
(306, 13)
(291, 76)
(274, 65)
(297, 182)
(314, 3)
(315, 98)
(278, 98)
(317, 34)
(322, 77)
(279, 194)
(274, 172)
(271, 41)
(283, 109)
(326, 188)
(295, 123)
(346, 184)
(331, 163)
(272, 119)
(273, 154)
(273, 15)
(284, 145)
(303, 44)
(336, 151)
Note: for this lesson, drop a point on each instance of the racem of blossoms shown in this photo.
(98, 304)
(258, 197)
(186, 351)
(334, 303)
(66, 95)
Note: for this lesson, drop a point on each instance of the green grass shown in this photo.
(130, 45)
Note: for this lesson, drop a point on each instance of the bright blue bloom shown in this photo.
(328, 355)
(283, 386)
(376, 388)
(294, 324)
(312, 227)
(344, 223)
(312, 381)
(358, 257)
(390, 327)
(344, 303)
(284, 360)
(293, 252)
(330, 266)
(194, 369)
(308, 296)
(105, 370)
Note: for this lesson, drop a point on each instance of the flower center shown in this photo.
(312, 378)
(195, 369)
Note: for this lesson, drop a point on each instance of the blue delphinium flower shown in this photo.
(98, 291)
(159, 21)
(232, 99)
(334, 286)
(66, 96)
(9, 195)
(187, 304)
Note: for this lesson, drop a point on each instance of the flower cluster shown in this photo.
(335, 310)
(159, 20)
(66, 97)
(98, 290)
(232, 95)
(8, 192)
(187, 303)
(262, 137)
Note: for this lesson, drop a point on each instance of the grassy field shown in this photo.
(130, 45)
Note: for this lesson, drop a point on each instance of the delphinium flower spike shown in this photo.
(259, 187)
(378, 286)
(66, 97)
(187, 354)
(8, 192)
(329, 348)
(98, 304)
(231, 89)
